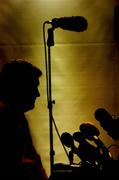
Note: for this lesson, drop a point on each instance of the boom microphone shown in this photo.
(102, 115)
(74, 23)
(110, 123)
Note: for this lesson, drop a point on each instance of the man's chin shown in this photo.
(28, 108)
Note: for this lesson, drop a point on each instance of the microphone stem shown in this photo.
(101, 145)
(50, 40)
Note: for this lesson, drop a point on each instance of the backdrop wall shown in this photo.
(85, 65)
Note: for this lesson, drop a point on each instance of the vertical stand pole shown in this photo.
(50, 42)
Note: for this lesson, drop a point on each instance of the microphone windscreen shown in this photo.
(102, 114)
(74, 23)
(67, 139)
(77, 136)
(89, 130)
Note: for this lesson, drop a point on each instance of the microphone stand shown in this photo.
(50, 42)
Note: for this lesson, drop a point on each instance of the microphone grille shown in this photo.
(74, 23)
(66, 139)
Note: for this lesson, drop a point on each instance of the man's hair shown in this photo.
(18, 69)
(18, 73)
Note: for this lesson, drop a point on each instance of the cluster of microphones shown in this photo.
(95, 159)
(90, 148)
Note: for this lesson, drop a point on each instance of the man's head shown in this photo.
(19, 83)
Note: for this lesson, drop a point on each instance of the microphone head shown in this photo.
(102, 114)
(74, 23)
(67, 139)
(77, 136)
(104, 118)
(89, 130)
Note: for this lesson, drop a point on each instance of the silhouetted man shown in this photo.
(18, 91)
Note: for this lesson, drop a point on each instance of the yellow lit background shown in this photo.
(84, 65)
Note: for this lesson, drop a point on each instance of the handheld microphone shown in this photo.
(67, 139)
(74, 23)
(89, 131)
(86, 151)
(78, 137)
